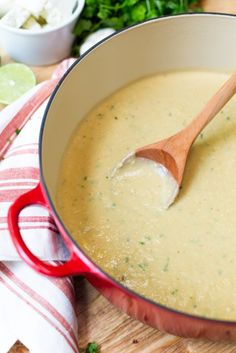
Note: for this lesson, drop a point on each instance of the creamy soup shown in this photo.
(183, 257)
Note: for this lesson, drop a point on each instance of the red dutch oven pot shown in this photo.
(203, 41)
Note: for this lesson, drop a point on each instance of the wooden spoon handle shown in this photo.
(173, 151)
(214, 105)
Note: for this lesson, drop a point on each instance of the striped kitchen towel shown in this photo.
(37, 310)
(19, 172)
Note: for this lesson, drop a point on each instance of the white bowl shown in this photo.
(41, 47)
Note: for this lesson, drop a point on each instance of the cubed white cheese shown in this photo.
(57, 11)
(5, 6)
(26, 13)
(31, 24)
(16, 17)
(53, 17)
(35, 7)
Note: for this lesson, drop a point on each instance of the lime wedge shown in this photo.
(15, 80)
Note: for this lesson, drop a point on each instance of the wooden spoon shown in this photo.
(172, 152)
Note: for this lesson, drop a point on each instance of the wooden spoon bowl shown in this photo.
(172, 152)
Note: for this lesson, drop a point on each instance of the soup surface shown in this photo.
(183, 257)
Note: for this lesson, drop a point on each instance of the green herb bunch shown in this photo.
(91, 348)
(119, 14)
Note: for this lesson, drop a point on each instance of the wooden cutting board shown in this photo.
(114, 331)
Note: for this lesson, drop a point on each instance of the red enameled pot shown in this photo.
(202, 41)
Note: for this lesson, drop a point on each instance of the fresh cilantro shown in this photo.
(142, 266)
(119, 14)
(166, 266)
(17, 131)
(91, 348)
(142, 242)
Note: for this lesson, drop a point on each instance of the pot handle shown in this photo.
(73, 266)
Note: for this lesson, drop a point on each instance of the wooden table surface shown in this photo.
(114, 331)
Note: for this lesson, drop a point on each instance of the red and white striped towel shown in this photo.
(19, 172)
(37, 310)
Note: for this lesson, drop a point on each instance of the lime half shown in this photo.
(15, 80)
